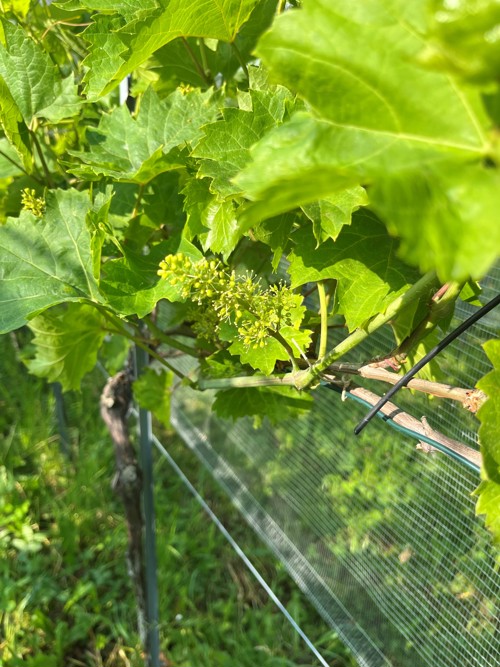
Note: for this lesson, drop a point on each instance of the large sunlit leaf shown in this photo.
(138, 149)
(364, 262)
(120, 46)
(447, 218)
(376, 112)
(46, 261)
(66, 342)
(34, 82)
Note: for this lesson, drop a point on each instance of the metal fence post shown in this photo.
(146, 456)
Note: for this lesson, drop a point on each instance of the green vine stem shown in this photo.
(441, 304)
(199, 68)
(239, 58)
(323, 312)
(138, 200)
(120, 329)
(46, 170)
(21, 168)
(281, 7)
(304, 378)
(168, 340)
(424, 286)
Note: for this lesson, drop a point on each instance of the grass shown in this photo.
(65, 598)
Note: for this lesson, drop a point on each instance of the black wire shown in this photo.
(430, 355)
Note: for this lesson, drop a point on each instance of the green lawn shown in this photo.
(65, 598)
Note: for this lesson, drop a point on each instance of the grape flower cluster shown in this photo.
(220, 295)
(32, 203)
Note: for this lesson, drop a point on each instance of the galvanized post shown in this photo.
(146, 456)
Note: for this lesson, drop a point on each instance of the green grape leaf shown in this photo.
(264, 358)
(138, 149)
(489, 416)
(67, 340)
(114, 353)
(331, 214)
(152, 391)
(489, 413)
(471, 292)
(34, 82)
(197, 198)
(225, 148)
(118, 46)
(261, 358)
(448, 220)
(127, 10)
(275, 232)
(14, 126)
(328, 47)
(221, 364)
(275, 403)
(46, 261)
(363, 260)
(488, 504)
(18, 7)
(172, 65)
(463, 39)
(224, 229)
(9, 157)
(368, 128)
(211, 219)
(131, 283)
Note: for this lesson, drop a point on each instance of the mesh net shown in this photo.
(379, 535)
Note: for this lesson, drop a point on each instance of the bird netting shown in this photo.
(381, 536)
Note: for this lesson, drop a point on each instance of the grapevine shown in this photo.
(358, 160)
(224, 296)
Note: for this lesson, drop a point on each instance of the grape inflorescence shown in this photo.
(222, 296)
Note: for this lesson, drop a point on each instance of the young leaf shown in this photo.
(211, 219)
(48, 261)
(363, 261)
(275, 232)
(66, 343)
(152, 390)
(113, 56)
(489, 416)
(264, 357)
(32, 79)
(138, 149)
(275, 403)
(331, 214)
